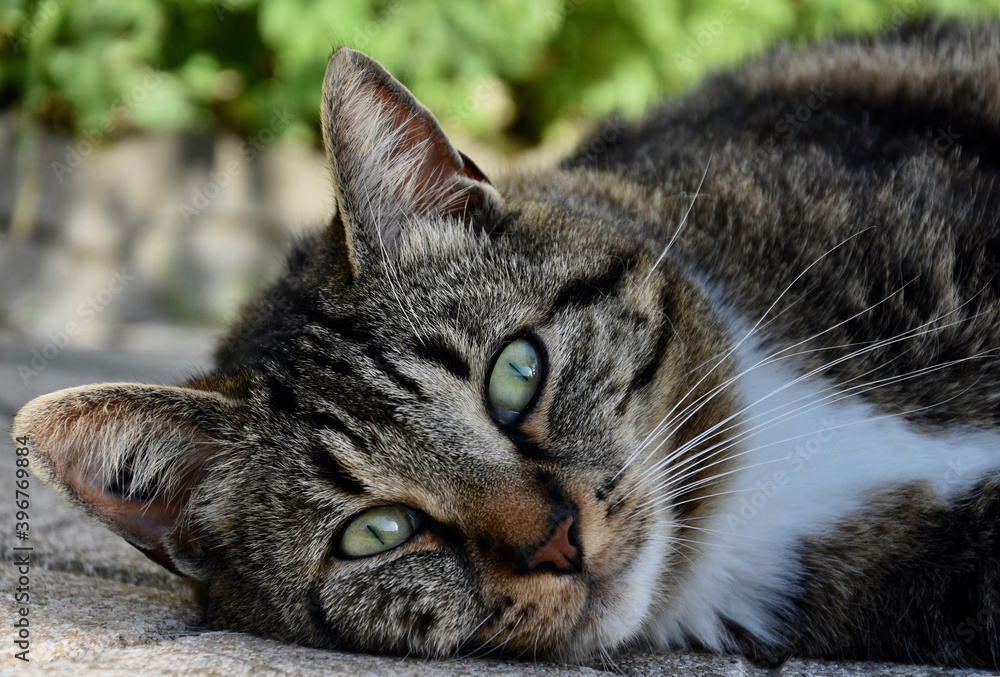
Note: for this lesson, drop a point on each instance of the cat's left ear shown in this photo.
(390, 159)
(133, 457)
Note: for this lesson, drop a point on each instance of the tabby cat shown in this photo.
(726, 379)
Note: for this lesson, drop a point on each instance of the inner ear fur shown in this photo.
(131, 457)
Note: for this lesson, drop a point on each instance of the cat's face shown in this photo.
(437, 432)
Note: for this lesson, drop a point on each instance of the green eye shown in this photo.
(514, 380)
(377, 530)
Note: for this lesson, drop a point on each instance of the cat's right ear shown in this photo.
(132, 457)
(391, 161)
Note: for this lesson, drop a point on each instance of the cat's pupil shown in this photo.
(514, 380)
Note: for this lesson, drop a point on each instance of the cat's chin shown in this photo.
(618, 603)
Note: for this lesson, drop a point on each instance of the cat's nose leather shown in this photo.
(560, 550)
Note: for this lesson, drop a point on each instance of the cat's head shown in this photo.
(437, 432)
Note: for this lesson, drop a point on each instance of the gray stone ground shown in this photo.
(97, 605)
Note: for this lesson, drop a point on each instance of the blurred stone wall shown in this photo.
(148, 242)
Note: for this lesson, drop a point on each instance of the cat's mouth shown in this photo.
(619, 597)
(586, 584)
(620, 584)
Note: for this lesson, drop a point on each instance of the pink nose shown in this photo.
(561, 548)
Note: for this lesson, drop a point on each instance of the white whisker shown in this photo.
(680, 227)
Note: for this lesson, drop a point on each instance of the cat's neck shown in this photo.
(812, 455)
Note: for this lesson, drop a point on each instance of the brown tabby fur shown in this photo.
(358, 379)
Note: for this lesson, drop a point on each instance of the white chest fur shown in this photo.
(811, 457)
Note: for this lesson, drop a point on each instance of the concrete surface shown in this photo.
(99, 607)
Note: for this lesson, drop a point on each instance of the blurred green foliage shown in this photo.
(514, 67)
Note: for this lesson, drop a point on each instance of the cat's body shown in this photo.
(765, 414)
